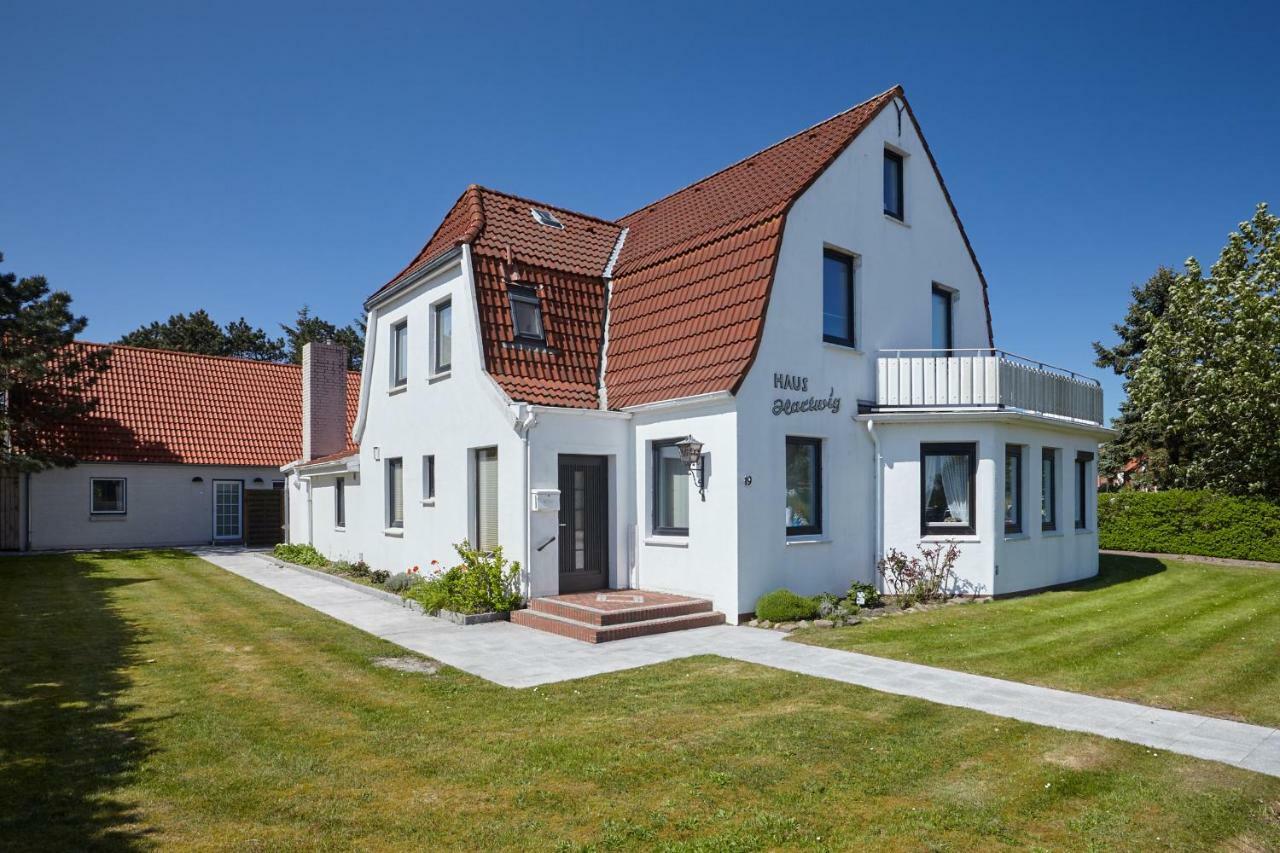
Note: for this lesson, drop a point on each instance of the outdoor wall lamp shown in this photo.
(691, 456)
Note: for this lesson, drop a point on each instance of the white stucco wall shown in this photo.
(897, 265)
(164, 506)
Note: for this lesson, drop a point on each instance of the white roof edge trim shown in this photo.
(1044, 421)
(415, 278)
(617, 250)
(676, 402)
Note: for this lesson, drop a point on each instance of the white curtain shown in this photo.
(955, 486)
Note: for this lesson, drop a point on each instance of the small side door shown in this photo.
(228, 510)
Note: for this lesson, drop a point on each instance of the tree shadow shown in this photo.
(68, 739)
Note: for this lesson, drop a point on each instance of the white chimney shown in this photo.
(324, 399)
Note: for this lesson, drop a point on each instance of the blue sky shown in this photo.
(248, 158)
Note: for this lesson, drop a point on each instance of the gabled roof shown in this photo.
(690, 284)
(165, 406)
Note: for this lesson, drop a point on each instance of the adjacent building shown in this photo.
(765, 379)
(182, 449)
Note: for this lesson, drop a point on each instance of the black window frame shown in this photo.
(340, 502)
(851, 289)
(429, 477)
(655, 490)
(1083, 460)
(1014, 452)
(950, 296)
(392, 522)
(895, 157)
(816, 443)
(399, 349)
(124, 496)
(949, 448)
(518, 293)
(439, 368)
(1050, 455)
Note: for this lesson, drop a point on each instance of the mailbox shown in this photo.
(546, 500)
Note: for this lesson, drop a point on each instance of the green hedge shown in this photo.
(1186, 522)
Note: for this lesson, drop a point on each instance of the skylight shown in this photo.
(543, 217)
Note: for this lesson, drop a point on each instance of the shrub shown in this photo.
(481, 583)
(828, 605)
(402, 581)
(929, 577)
(863, 595)
(783, 605)
(379, 575)
(302, 555)
(1190, 522)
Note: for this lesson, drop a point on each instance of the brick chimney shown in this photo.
(324, 399)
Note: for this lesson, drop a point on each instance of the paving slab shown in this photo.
(515, 656)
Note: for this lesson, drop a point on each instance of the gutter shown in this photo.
(526, 419)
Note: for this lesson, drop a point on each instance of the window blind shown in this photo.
(395, 493)
(487, 498)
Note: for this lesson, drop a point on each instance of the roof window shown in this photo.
(543, 217)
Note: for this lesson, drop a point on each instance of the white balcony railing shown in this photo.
(983, 378)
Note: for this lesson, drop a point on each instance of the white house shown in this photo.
(813, 316)
(182, 449)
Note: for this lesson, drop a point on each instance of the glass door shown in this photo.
(228, 511)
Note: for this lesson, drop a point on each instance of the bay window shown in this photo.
(948, 489)
(1048, 489)
(1084, 460)
(1012, 489)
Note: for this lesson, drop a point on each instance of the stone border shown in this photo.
(868, 614)
(341, 581)
(474, 618)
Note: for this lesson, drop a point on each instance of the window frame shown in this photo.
(950, 296)
(399, 353)
(949, 448)
(814, 529)
(477, 455)
(1084, 461)
(1015, 452)
(851, 290)
(394, 462)
(429, 477)
(893, 156)
(340, 503)
(655, 489)
(526, 296)
(1050, 455)
(124, 496)
(437, 310)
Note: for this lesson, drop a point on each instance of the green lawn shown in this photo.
(152, 700)
(1182, 635)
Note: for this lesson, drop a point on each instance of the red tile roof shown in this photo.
(690, 286)
(164, 406)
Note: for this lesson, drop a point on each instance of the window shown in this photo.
(837, 298)
(395, 493)
(1012, 488)
(894, 204)
(428, 478)
(526, 314)
(804, 486)
(340, 503)
(1083, 460)
(943, 328)
(947, 489)
(487, 498)
(107, 496)
(1048, 489)
(670, 490)
(399, 353)
(442, 331)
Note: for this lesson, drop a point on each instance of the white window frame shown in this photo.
(340, 503)
(394, 461)
(124, 496)
(439, 371)
(429, 479)
(395, 379)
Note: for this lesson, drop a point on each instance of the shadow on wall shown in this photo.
(67, 739)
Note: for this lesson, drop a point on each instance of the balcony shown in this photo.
(948, 380)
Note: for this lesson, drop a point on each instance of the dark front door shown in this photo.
(584, 523)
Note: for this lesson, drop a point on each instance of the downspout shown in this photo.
(525, 423)
(879, 500)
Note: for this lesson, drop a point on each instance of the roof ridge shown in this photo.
(895, 90)
(533, 201)
(235, 358)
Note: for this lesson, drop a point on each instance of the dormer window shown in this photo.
(526, 314)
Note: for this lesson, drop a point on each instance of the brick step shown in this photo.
(589, 633)
(596, 616)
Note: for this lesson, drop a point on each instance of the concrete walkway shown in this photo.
(522, 657)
